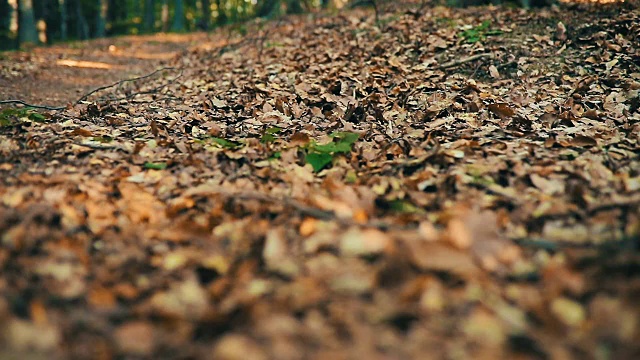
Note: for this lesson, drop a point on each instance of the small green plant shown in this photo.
(479, 32)
(12, 117)
(155, 166)
(321, 155)
(445, 21)
(273, 44)
(270, 135)
(405, 207)
(103, 139)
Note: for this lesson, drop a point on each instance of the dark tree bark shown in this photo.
(101, 18)
(294, 7)
(178, 17)
(266, 8)
(205, 21)
(27, 32)
(64, 18)
(222, 14)
(6, 12)
(149, 17)
(82, 27)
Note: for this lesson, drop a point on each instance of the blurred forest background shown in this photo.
(50, 21)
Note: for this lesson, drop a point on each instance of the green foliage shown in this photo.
(276, 155)
(12, 117)
(479, 32)
(270, 135)
(445, 21)
(273, 44)
(155, 166)
(227, 144)
(321, 155)
(404, 206)
(103, 139)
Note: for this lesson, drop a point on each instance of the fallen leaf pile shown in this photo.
(440, 183)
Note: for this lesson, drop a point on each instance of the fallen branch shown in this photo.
(151, 91)
(455, 63)
(85, 96)
(46, 107)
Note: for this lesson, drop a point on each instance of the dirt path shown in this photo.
(60, 74)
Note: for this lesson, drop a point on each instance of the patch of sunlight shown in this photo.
(86, 64)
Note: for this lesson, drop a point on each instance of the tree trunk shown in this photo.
(5, 25)
(63, 20)
(222, 15)
(266, 8)
(165, 15)
(206, 14)
(294, 7)
(149, 15)
(82, 27)
(27, 32)
(101, 21)
(178, 17)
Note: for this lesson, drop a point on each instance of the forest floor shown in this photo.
(425, 183)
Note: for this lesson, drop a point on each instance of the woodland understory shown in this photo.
(417, 183)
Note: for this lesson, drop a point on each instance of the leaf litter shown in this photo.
(457, 183)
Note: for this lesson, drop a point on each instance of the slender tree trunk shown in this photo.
(266, 8)
(222, 15)
(178, 17)
(149, 17)
(64, 16)
(294, 7)
(206, 14)
(5, 25)
(27, 32)
(82, 27)
(101, 21)
(165, 15)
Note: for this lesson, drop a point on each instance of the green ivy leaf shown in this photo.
(267, 138)
(320, 155)
(345, 137)
(342, 143)
(34, 116)
(318, 160)
(273, 130)
(10, 117)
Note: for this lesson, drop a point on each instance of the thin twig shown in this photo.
(85, 96)
(152, 91)
(46, 107)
